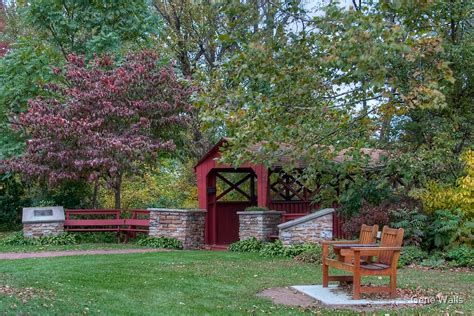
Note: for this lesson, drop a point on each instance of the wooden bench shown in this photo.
(107, 221)
(78, 221)
(387, 254)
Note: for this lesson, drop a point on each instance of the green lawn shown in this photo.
(180, 282)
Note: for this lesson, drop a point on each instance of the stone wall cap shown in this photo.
(42, 214)
(260, 213)
(44, 221)
(306, 218)
(178, 210)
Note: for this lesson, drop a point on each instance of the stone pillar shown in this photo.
(312, 228)
(258, 224)
(186, 225)
(43, 221)
(35, 230)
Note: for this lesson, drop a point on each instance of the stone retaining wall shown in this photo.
(186, 225)
(35, 230)
(312, 228)
(258, 224)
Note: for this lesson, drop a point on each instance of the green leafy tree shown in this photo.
(383, 75)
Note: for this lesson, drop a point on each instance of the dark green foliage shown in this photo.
(247, 245)
(160, 242)
(255, 209)
(95, 237)
(11, 201)
(70, 194)
(296, 250)
(462, 256)
(434, 263)
(17, 239)
(410, 255)
(92, 27)
(443, 229)
(273, 249)
(412, 221)
(363, 193)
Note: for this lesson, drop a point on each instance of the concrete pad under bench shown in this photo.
(334, 296)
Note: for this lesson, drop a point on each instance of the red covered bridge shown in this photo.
(224, 190)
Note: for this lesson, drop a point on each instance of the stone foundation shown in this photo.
(185, 225)
(35, 230)
(258, 224)
(312, 228)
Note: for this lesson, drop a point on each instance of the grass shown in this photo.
(183, 282)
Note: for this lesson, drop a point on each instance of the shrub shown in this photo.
(433, 262)
(160, 242)
(444, 228)
(251, 244)
(462, 256)
(313, 255)
(273, 249)
(295, 250)
(11, 200)
(369, 215)
(255, 209)
(410, 255)
(96, 237)
(17, 239)
(412, 221)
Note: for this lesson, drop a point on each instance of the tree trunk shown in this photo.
(118, 191)
(95, 194)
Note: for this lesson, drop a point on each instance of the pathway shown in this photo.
(47, 254)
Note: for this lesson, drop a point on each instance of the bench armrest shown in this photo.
(373, 251)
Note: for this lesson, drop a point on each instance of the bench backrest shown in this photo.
(92, 214)
(368, 234)
(391, 237)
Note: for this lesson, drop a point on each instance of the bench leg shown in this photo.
(393, 285)
(325, 275)
(356, 285)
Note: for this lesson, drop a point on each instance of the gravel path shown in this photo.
(47, 254)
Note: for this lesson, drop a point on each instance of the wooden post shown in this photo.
(262, 182)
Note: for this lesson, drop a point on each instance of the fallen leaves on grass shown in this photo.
(25, 294)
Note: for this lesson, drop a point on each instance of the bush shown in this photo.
(255, 209)
(17, 239)
(462, 256)
(160, 242)
(313, 255)
(433, 262)
(412, 221)
(369, 215)
(12, 198)
(410, 255)
(444, 228)
(247, 245)
(295, 250)
(304, 252)
(273, 249)
(95, 237)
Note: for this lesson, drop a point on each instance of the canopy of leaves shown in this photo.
(106, 121)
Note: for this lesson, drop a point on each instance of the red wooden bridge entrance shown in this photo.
(223, 191)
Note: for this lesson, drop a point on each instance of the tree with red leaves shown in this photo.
(105, 122)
